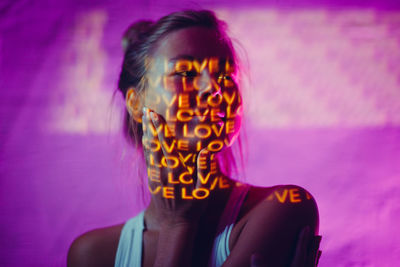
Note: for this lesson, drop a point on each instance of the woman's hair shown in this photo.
(140, 40)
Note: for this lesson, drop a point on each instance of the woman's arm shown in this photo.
(307, 252)
(273, 227)
(95, 248)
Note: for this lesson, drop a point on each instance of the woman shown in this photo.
(179, 79)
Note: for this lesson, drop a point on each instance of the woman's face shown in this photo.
(191, 83)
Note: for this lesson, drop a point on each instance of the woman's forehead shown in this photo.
(196, 42)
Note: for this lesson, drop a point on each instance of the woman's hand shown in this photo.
(307, 252)
(178, 181)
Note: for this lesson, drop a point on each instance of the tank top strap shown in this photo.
(129, 252)
(233, 206)
(220, 251)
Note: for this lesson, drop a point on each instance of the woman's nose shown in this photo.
(210, 86)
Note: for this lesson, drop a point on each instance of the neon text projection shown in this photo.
(197, 106)
(289, 195)
(192, 112)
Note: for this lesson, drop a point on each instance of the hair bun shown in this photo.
(135, 32)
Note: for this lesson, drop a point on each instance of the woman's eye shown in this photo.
(226, 77)
(190, 74)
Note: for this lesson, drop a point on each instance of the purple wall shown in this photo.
(323, 112)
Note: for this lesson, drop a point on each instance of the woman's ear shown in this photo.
(134, 104)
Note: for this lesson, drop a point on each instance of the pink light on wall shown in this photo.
(323, 112)
(320, 68)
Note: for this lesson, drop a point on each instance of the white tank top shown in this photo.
(129, 253)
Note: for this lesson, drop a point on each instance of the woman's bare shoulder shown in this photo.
(283, 201)
(282, 193)
(279, 202)
(97, 247)
(270, 223)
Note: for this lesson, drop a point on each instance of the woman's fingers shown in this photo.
(204, 174)
(203, 159)
(153, 150)
(206, 170)
(312, 252)
(176, 171)
(307, 253)
(157, 127)
(319, 253)
(315, 252)
(176, 176)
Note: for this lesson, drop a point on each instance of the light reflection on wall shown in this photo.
(83, 103)
(309, 68)
(317, 68)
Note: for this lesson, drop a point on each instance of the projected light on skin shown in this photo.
(289, 195)
(195, 106)
(194, 112)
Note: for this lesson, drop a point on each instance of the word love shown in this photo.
(155, 145)
(201, 130)
(288, 195)
(207, 107)
(185, 177)
(198, 193)
(225, 71)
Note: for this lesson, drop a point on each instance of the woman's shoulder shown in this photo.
(270, 221)
(282, 194)
(97, 247)
(283, 202)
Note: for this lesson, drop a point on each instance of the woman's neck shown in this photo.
(216, 203)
